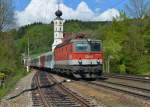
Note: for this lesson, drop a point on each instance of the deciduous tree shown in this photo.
(138, 8)
(6, 14)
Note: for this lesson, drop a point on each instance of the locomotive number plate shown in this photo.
(88, 56)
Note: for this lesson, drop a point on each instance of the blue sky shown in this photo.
(20, 4)
(31, 11)
(95, 5)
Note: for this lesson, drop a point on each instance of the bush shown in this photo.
(143, 65)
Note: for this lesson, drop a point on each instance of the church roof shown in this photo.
(58, 13)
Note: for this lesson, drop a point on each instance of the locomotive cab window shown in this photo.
(82, 47)
(95, 47)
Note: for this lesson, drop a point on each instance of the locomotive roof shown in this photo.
(76, 40)
(73, 37)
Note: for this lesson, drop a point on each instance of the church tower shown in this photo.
(58, 29)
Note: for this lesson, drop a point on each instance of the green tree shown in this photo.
(7, 52)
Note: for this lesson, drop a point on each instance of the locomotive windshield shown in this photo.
(87, 47)
(95, 47)
(82, 47)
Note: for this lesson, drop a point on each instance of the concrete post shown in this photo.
(28, 68)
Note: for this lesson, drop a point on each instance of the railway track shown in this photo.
(37, 95)
(132, 90)
(76, 97)
(51, 93)
(128, 77)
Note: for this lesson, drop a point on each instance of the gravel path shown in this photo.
(25, 99)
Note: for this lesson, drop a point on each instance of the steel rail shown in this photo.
(129, 86)
(40, 91)
(127, 77)
(105, 85)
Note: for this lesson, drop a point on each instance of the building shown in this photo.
(58, 29)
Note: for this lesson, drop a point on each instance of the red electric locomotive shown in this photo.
(80, 57)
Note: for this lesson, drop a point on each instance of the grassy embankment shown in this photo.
(11, 81)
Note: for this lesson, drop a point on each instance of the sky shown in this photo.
(30, 11)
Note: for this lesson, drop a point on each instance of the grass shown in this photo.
(11, 82)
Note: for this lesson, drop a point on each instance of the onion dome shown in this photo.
(58, 13)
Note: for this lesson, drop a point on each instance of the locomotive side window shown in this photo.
(95, 47)
(49, 58)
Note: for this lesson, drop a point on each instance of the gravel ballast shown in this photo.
(106, 97)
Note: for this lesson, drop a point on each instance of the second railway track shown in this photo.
(128, 77)
(132, 90)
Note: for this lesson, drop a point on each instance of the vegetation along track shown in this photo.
(136, 91)
(128, 77)
(54, 94)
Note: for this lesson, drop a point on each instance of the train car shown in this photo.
(34, 62)
(45, 60)
(79, 57)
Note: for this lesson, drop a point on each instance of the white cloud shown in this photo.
(43, 11)
(83, 12)
(108, 15)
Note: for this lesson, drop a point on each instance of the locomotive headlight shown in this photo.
(98, 61)
(80, 61)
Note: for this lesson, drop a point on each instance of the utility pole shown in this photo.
(28, 56)
(108, 64)
(28, 47)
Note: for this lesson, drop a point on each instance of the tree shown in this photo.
(6, 14)
(138, 8)
(112, 39)
(7, 51)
